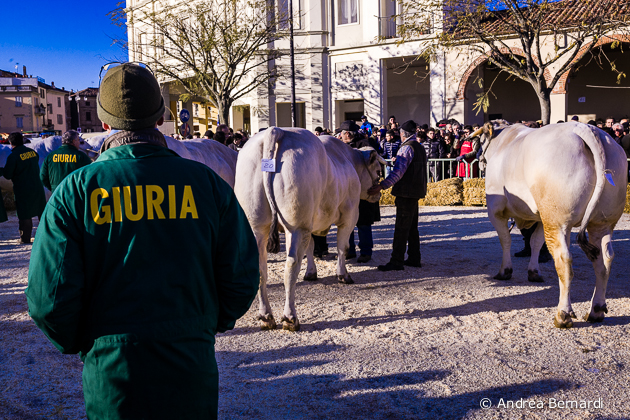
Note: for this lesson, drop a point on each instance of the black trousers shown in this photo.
(26, 229)
(321, 246)
(527, 236)
(406, 236)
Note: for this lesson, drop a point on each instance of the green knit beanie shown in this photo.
(129, 98)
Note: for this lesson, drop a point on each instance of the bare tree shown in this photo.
(219, 50)
(527, 39)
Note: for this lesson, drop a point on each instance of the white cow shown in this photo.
(318, 181)
(565, 175)
(213, 154)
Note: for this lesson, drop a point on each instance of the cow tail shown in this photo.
(272, 136)
(599, 156)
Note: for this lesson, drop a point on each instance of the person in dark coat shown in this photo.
(141, 258)
(409, 182)
(22, 168)
(60, 163)
(368, 212)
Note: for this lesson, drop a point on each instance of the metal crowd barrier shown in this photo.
(439, 169)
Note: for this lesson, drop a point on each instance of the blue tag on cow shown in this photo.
(610, 179)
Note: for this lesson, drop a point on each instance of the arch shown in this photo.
(461, 91)
(561, 86)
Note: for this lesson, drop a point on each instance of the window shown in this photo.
(18, 101)
(19, 122)
(284, 15)
(348, 12)
(59, 119)
(87, 103)
(196, 110)
(88, 116)
(58, 102)
(49, 107)
(42, 93)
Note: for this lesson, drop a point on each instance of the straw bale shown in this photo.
(626, 209)
(387, 199)
(475, 192)
(448, 192)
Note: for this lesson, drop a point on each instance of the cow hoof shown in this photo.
(290, 324)
(597, 314)
(345, 280)
(572, 315)
(507, 274)
(534, 277)
(310, 276)
(562, 320)
(267, 323)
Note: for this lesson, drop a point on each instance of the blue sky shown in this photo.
(65, 42)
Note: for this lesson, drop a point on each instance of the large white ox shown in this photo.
(565, 175)
(317, 182)
(213, 154)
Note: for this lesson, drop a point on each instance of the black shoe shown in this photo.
(351, 255)
(363, 258)
(524, 253)
(412, 263)
(391, 267)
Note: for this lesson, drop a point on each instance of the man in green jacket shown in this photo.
(140, 259)
(61, 162)
(22, 168)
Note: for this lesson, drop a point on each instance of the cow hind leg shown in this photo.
(298, 242)
(536, 242)
(601, 265)
(500, 223)
(343, 238)
(267, 321)
(558, 239)
(311, 268)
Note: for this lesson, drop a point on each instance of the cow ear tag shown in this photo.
(268, 165)
(610, 178)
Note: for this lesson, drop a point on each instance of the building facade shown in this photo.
(29, 105)
(82, 111)
(350, 62)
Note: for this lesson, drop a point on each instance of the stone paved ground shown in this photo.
(429, 343)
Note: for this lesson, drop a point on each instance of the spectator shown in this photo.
(468, 148)
(219, 136)
(63, 161)
(434, 149)
(22, 168)
(196, 135)
(318, 131)
(236, 144)
(390, 148)
(392, 124)
(208, 134)
(610, 121)
(617, 132)
(366, 126)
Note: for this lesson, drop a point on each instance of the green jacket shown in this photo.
(60, 163)
(139, 260)
(22, 168)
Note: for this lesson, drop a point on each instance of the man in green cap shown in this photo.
(140, 259)
(63, 161)
(22, 168)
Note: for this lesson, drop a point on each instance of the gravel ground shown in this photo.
(430, 343)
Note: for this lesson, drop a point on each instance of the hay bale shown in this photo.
(626, 209)
(475, 192)
(387, 199)
(9, 200)
(448, 192)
